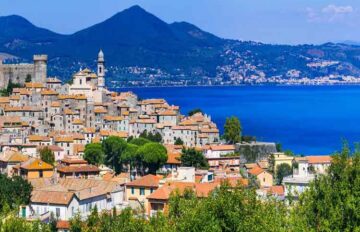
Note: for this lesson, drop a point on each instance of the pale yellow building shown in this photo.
(138, 190)
(264, 178)
(281, 158)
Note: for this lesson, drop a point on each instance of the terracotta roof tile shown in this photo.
(318, 159)
(36, 164)
(256, 171)
(51, 197)
(145, 181)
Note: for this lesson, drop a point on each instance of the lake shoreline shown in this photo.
(306, 119)
(242, 85)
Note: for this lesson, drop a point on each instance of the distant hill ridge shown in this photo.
(176, 52)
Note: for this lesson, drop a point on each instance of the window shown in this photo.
(132, 190)
(142, 191)
(151, 190)
(41, 174)
(57, 212)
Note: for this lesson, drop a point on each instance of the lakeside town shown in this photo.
(82, 147)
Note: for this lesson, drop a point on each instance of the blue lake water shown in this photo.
(305, 119)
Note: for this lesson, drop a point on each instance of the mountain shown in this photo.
(141, 49)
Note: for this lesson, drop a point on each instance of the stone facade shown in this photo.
(17, 73)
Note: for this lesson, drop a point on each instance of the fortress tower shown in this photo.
(40, 68)
(101, 70)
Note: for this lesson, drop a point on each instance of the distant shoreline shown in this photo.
(242, 85)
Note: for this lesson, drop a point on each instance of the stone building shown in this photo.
(18, 73)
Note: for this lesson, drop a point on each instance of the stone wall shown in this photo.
(17, 73)
(255, 151)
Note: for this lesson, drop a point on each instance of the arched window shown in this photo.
(100, 69)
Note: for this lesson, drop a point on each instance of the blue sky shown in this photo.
(270, 21)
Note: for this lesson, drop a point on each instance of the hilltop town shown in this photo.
(70, 121)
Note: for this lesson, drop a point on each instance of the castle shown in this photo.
(17, 73)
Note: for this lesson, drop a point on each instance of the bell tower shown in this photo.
(101, 70)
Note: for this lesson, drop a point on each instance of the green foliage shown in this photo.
(76, 224)
(193, 158)
(15, 224)
(194, 111)
(282, 170)
(224, 210)
(70, 81)
(47, 155)
(140, 141)
(289, 153)
(332, 202)
(271, 161)
(14, 191)
(28, 78)
(179, 141)
(154, 155)
(154, 137)
(130, 153)
(278, 147)
(139, 153)
(130, 156)
(9, 89)
(232, 130)
(113, 146)
(94, 153)
(248, 138)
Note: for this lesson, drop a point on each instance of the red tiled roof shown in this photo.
(319, 159)
(173, 158)
(277, 190)
(77, 169)
(256, 171)
(146, 181)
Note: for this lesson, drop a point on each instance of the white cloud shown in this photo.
(330, 13)
(333, 9)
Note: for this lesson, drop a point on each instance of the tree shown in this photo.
(139, 141)
(232, 130)
(76, 225)
(154, 155)
(289, 153)
(113, 146)
(9, 89)
(179, 141)
(14, 191)
(282, 170)
(248, 138)
(94, 153)
(28, 78)
(193, 158)
(130, 157)
(47, 155)
(154, 137)
(194, 111)
(332, 201)
(271, 161)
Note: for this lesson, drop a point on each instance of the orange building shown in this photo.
(34, 168)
